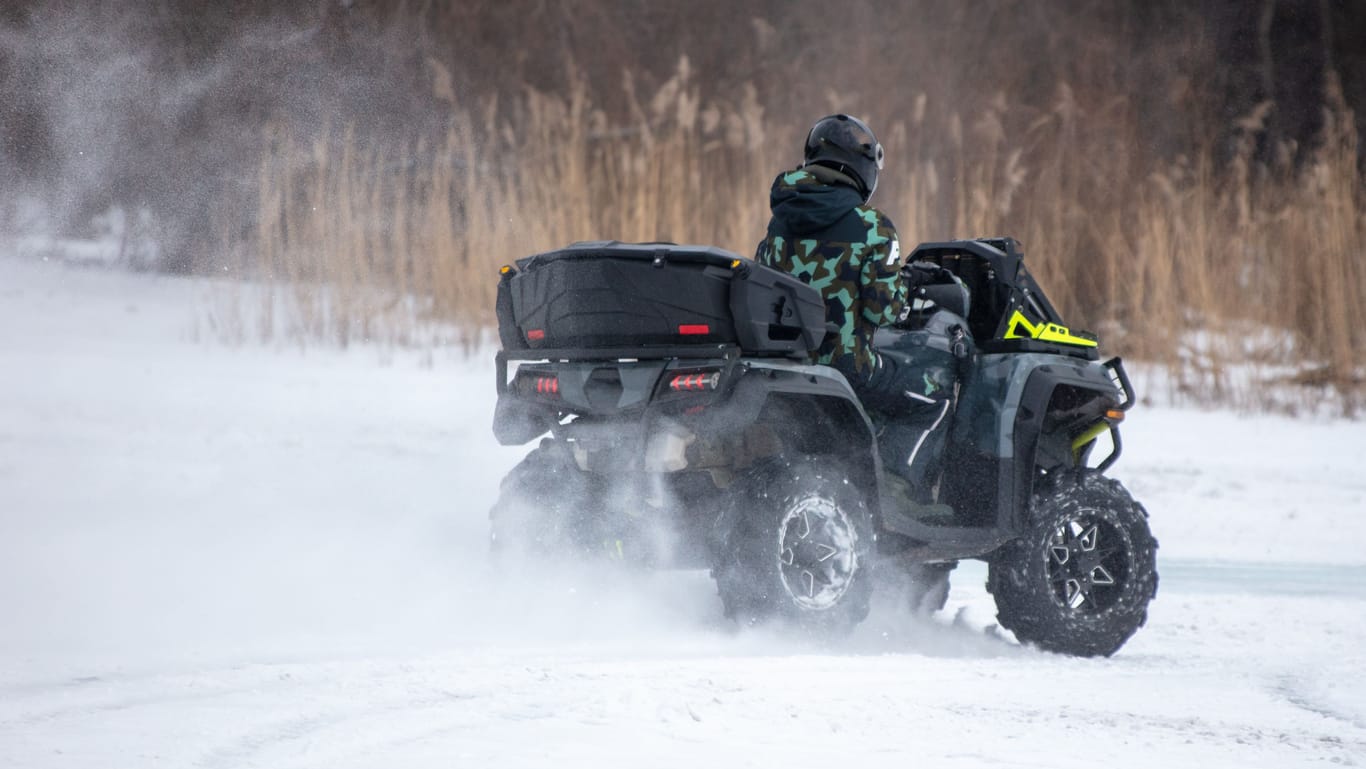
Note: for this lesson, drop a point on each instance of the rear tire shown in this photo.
(798, 549)
(544, 505)
(1080, 579)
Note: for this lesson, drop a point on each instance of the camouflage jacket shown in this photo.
(822, 233)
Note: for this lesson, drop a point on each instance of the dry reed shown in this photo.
(1240, 276)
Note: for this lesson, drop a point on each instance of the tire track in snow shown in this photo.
(417, 711)
(106, 698)
(1117, 722)
(1292, 690)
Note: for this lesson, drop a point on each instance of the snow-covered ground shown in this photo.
(221, 557)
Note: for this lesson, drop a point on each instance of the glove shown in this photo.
(923, 274)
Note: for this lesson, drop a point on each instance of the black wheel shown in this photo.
(544, 505)
(1080, 580)
(798, 549)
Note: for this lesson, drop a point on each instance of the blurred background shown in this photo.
(1186, 175)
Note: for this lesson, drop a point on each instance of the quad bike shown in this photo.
(682, 425)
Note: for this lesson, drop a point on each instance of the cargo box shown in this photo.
(618, 295)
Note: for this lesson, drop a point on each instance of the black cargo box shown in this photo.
(620, 295)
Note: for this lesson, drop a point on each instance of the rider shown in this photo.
(824, 232)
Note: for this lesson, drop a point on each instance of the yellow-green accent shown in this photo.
(1089, 434)
(1044, 332)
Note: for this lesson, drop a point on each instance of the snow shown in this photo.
(1265, 488)
(218, 556)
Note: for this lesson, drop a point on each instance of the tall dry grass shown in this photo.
(1241, 275)
(375, 240)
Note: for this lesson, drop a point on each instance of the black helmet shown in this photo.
(847, 145)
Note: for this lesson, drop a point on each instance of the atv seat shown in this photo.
(951, 296)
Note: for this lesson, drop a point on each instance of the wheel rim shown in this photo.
(1088, 564)
(817, 555)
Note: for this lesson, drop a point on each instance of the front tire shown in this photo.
(1080, 579)
(798, 550)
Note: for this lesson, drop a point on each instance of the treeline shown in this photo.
(1182, 172)
(166, 104)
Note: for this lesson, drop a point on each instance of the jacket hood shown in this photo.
(802, 203)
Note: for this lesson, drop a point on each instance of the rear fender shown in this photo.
(815, 413)
(516, 422)
(813, 406)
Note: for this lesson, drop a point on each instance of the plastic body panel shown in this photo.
(994, 272)
(1001, 412)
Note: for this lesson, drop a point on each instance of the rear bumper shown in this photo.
(617, 385)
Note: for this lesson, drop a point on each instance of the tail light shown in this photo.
(544, 385)
(695, 381)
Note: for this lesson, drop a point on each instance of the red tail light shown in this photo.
(536, 385)
(693, 382)
(694, 329)
(535, 335)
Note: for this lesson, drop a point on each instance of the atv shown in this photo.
(683, 425)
